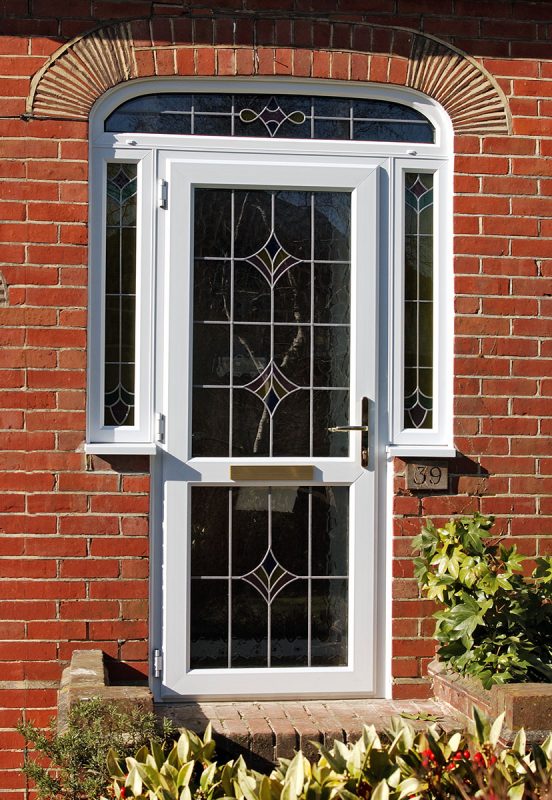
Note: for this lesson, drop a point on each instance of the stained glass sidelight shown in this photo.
(273, 116)
(120, 294)
(271, 351)
(269, 576)
(418, 310)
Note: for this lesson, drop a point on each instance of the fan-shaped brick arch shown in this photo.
(81, 71)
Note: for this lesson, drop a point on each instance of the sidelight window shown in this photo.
(287, 269)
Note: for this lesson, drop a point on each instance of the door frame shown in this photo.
(381, 569)
(438, 157)
(183, 170)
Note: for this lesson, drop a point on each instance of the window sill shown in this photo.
(120, 448)
(421, 450)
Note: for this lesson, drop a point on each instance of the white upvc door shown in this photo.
(270, 293)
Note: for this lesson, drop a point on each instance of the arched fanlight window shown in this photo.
(276, 116)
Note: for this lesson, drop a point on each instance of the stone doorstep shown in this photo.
(262, 731)
(526, 705)
(266, 731)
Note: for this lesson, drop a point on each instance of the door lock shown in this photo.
(364, 429)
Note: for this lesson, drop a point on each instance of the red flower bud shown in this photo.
(466, 753)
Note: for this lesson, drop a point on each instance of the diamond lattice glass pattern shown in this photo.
(271, 350)
(272, 116)
(418, 311)
(120, 294)
(269, 576)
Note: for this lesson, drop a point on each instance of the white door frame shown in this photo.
(361, 176)
(438, 155)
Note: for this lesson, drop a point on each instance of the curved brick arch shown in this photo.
(82, 70)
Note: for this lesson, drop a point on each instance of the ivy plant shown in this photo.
(495, 623)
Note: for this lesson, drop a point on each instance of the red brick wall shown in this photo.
(73, 529)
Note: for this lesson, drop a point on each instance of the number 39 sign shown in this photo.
(426, 477)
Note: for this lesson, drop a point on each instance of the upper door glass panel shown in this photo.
(271, 116)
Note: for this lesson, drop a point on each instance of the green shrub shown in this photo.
(496, 624)
(406, 765)
(76, 760)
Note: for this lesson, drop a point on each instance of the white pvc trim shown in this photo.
(129, 147)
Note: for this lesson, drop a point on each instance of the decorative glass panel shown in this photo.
(270, 576)
(271, 339)
(418, 295)
(274, 116)
(120, 294)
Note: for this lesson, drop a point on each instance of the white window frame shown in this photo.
(143, 148)
(135, 438)
(440, 435)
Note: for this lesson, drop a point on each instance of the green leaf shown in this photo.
(157, 753)
(421, 715)
(520, 742)
(496, 728)
(115, 770)
(185, 774)
(516, 792)
(381, 792)
(207, 776)
(183, 747)
(481, 726)
(295, 776)
(134, 781)
(410, 787)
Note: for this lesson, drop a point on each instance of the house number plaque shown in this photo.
(426, 477)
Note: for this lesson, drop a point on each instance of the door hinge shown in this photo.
(157, 663)
(159, 427)
(163, 194)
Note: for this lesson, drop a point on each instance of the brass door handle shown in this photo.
(341, 428)
(364, 428)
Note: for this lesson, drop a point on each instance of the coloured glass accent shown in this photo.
(269, 577)
(120, 295)
(418, 310)
(274, 116)
(271, 347)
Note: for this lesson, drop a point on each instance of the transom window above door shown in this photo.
(283, 116)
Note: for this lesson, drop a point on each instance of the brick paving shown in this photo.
(267, 731)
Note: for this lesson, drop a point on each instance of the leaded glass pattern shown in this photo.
(120, 294)
(269, 576)
(418, 310)
(271, 310)
(273, 116)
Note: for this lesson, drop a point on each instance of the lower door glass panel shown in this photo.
(269, 576)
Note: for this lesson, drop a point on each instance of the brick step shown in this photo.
(265, 731)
